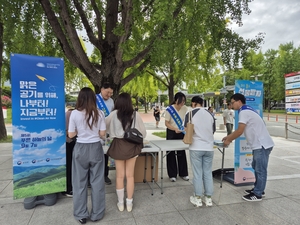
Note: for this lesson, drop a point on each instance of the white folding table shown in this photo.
(168, 145)
(175, 145)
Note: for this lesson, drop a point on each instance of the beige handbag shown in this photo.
(189, 131)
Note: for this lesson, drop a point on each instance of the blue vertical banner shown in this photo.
(253, 91)
(38, 119)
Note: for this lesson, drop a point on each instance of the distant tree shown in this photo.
(269, 77)
(287, 61)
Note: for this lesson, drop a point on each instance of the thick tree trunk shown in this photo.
(3, 132)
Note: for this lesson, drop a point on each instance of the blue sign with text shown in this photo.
(38, 119)
(253, 92)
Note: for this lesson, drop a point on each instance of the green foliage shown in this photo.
(162, 134)
(6, 91)
(6, 140)
(142, 87)
(273, 65)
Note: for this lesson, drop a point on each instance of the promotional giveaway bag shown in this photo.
(188, 137)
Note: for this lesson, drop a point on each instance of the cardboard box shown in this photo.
(140, 168)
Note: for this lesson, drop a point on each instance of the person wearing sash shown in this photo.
(106, 104)
(174, 122)
(260, 141)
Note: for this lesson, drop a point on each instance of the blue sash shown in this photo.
(101, 105)
(247, 107)
(176, 118)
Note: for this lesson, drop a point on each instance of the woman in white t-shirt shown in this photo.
(201, 152)
(88, 123)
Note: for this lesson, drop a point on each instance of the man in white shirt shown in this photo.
(260, 141)
(105, 93)
(228, 117)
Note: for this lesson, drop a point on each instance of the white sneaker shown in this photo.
(173, 179)
(196, 201)
(129, 204)
(208, 201)
(120, 206)
(186, 178)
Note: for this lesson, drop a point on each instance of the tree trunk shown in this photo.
(3, 132)
(171, 86)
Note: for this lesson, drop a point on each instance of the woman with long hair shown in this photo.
(174, 122)
(88, 123)
(121, 118)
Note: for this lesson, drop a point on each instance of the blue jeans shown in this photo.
(202, 169)
(260, 165)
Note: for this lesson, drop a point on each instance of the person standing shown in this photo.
(88, 123)
(156, 114)
(228, 117)
(201, 152)
(174, 122)
(70, 143)
(106, 104)
(117, 122)
(260, 141)
(211, 110)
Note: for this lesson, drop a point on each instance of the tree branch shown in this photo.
(157, 77)
(127, 25)
(59, 32)
(133, 74)
(92, 38)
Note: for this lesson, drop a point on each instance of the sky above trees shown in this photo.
(276, 18)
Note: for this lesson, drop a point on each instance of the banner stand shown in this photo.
(229, 177)
(48, 200)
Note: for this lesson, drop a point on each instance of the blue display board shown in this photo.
(253, 91)
(38, 119)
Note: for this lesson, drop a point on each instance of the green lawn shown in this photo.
(162, 134)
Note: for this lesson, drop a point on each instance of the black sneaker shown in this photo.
(82, 221)
(252, 198)
(107, 181)
(251, 191)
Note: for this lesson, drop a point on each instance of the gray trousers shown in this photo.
(229, 128)
(88, 158)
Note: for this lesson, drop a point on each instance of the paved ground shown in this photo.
(280, 206)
